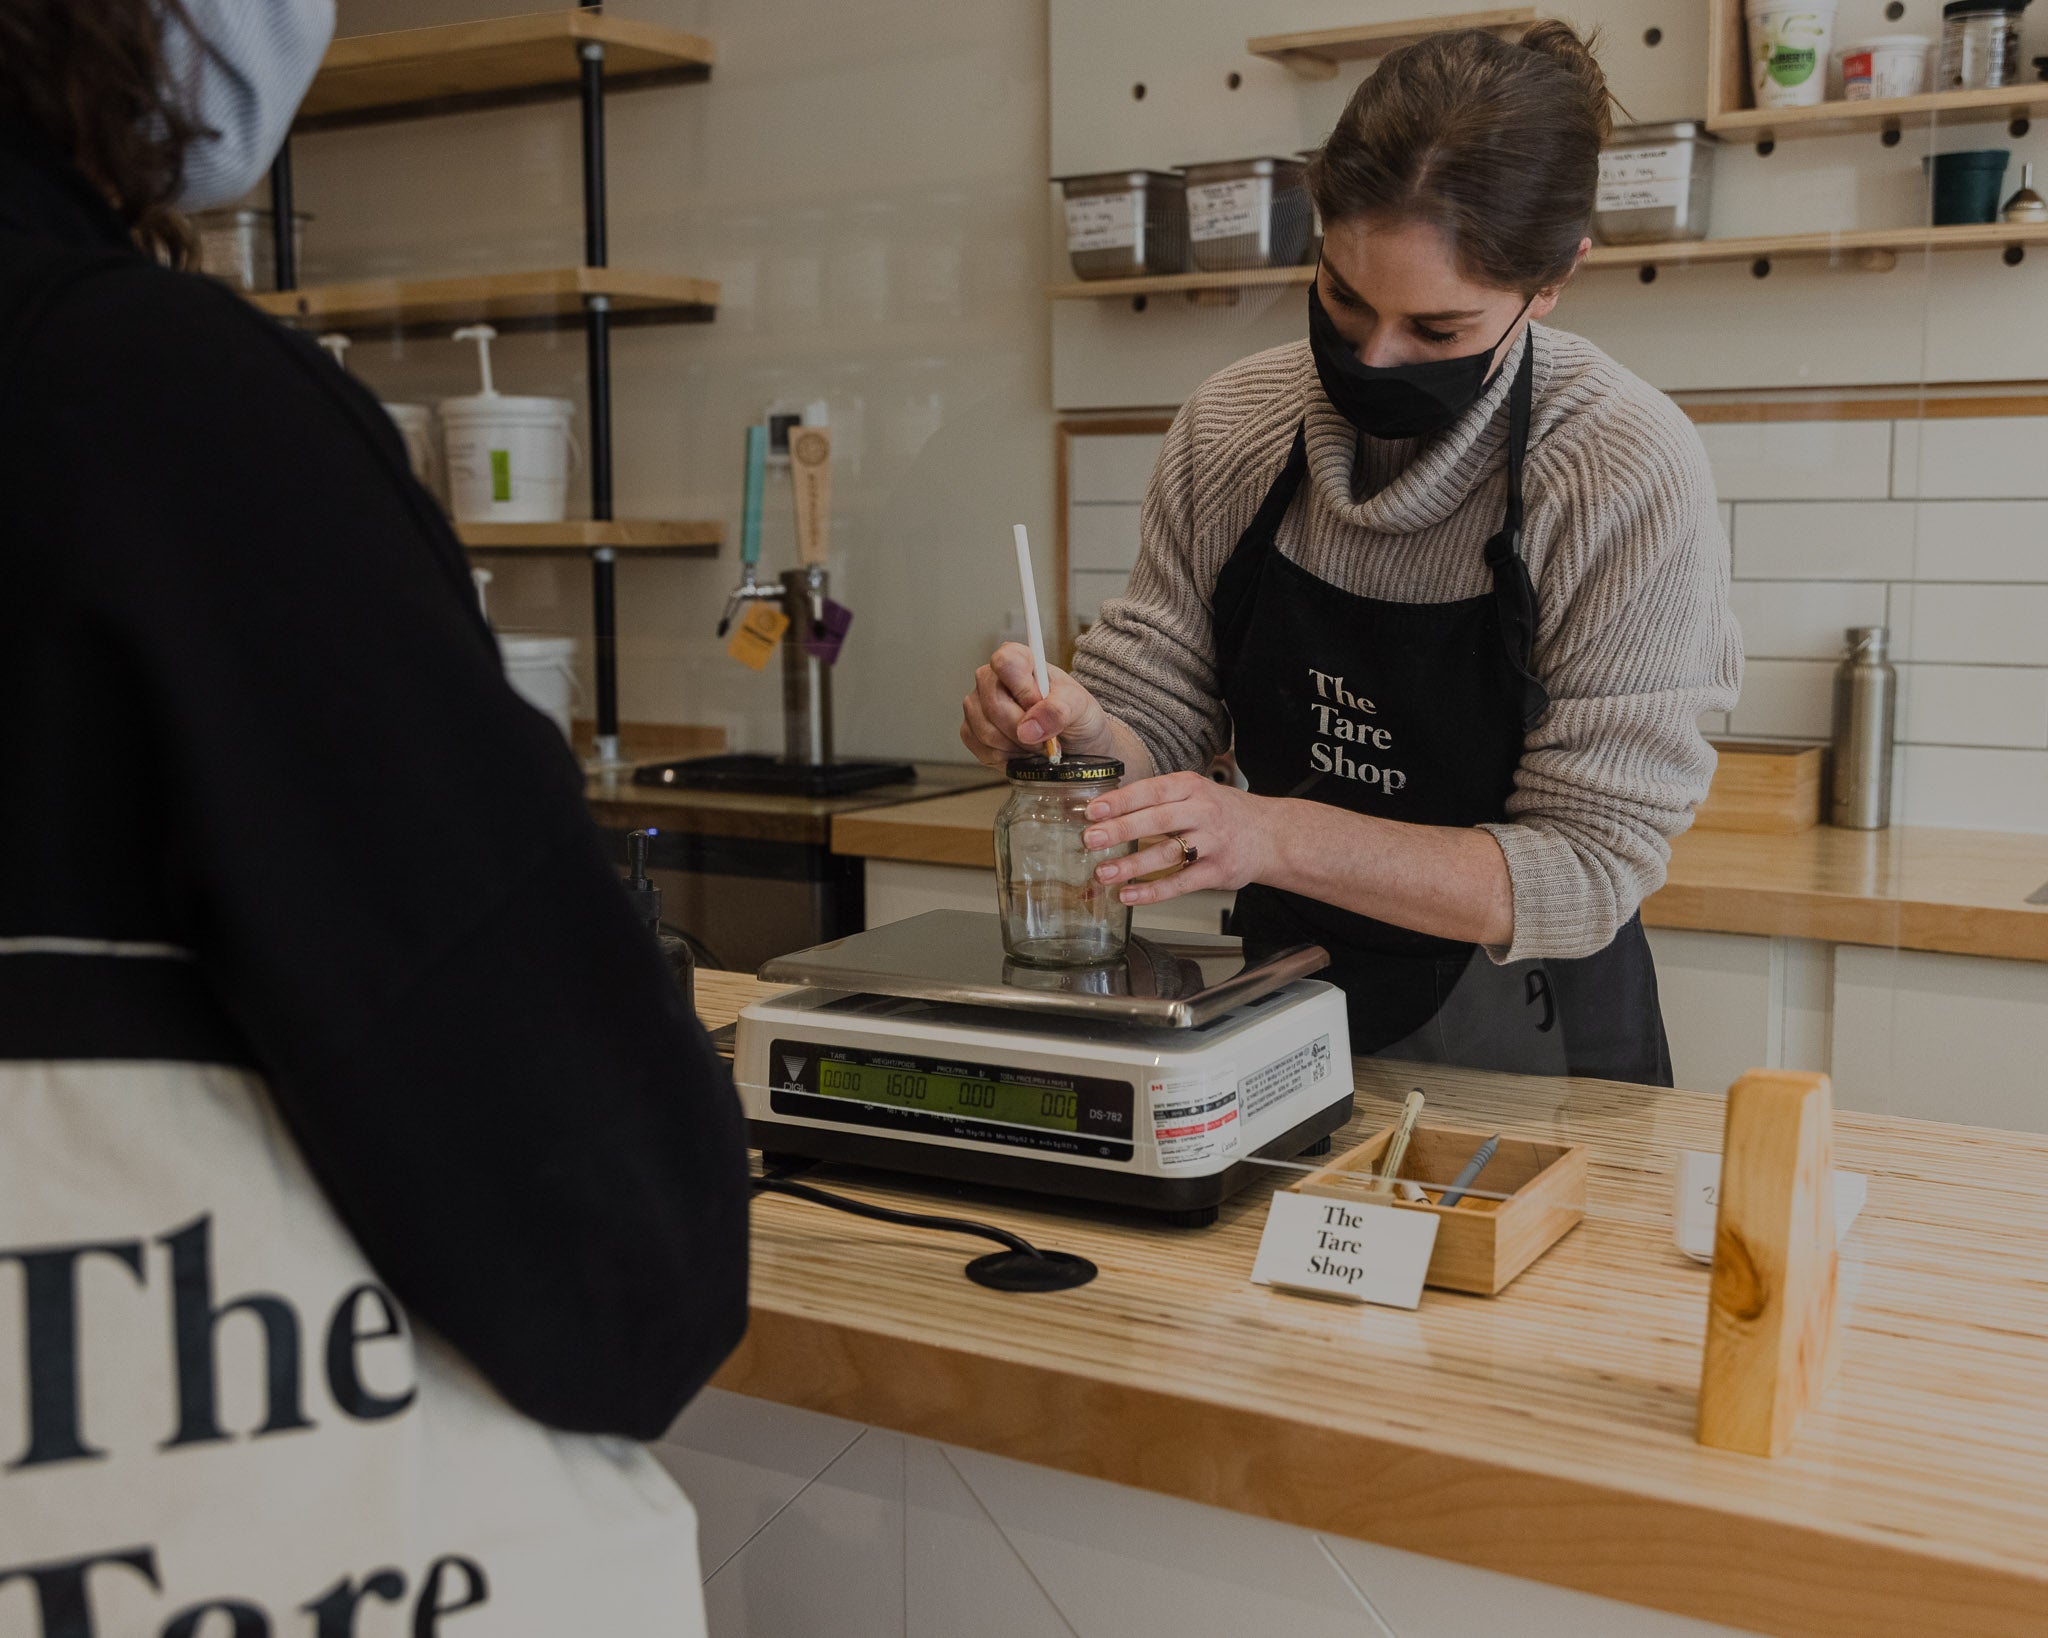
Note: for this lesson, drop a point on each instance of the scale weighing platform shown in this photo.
(1157, 1081)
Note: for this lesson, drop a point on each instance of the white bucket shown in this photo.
(1788, 51)
(508, 458)
(415, 423)
(542, 671)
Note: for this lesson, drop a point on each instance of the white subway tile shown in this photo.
(1981, 540)
(1784, 699)
(1971, 625)
(1088, 588)
(1800, 460)
(1818, 540)
(1102, 537)
(1989, 705)
(1971, 789)
(1714, 724)
(1988, 458)
(1112, 466)
(1803, 619)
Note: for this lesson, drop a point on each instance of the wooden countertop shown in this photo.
(1960, 891)
(618, 803)
(1546, 1432)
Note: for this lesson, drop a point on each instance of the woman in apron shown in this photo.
(366, 1190)
(1451, 585)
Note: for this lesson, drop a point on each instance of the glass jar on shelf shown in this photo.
(1054, 911)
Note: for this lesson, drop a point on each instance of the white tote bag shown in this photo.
(216, 1423)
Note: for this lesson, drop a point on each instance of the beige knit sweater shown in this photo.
(1634, 639)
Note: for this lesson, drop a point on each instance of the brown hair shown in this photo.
(1496, 144)
(90, 77)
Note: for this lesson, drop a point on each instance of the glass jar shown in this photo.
(1055, 913)
(1980, 44)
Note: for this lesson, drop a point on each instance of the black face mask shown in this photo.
(1397, 400)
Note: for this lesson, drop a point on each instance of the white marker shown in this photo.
(1035, 631)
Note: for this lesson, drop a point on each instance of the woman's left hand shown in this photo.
(1231, 834)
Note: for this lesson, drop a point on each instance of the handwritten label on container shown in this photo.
(1228, 210)
(1346, 1249)
(1643, 179)
(1102, 221)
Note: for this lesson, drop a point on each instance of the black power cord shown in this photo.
(1021, 1267)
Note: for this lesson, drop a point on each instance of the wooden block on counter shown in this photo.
(1771, 1315)
(1772, 789)
(1481, 1243)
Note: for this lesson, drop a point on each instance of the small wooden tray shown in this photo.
(1763, 788)
(1481, 1243)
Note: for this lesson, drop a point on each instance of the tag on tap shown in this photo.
(754, 639)
(828, 637)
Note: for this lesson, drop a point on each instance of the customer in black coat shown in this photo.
(252, 711)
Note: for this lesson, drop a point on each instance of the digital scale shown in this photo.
(1158, 1081)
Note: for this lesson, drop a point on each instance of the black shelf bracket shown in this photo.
(284, 252)
(598, 354)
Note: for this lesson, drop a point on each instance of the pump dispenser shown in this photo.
(336, 346)
(645, 898)
(483, 335)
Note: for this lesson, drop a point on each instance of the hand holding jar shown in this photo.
(1189, 832)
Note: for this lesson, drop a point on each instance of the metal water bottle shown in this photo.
(1866, 692)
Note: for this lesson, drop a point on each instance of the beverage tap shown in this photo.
(749, 589)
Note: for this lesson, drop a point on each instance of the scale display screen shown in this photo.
(1072, 1114)
(1057, 1108)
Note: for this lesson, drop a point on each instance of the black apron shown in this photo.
(1416, 712)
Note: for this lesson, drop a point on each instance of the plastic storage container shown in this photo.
(1886, 65)
(415, 423)
(1126, 224)
(236, 244)
(1656, 183)
(1054, 912)
(1788, 51)
(508, 458)
(1967, 186)
(1248, 213)
(542, 671)
(1980, 44)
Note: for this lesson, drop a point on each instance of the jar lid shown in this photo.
(1971, 8)
(1069, 770)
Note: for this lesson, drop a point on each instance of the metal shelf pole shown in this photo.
(284, 242)
(598, 343)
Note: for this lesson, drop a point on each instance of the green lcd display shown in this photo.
(959, 1096)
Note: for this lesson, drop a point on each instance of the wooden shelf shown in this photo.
(1875, 249)
(1314, 55)
(2006, 102)
(640, 536)
(1728, 113)
(547, 298)
(1166, 284)
(501, 60)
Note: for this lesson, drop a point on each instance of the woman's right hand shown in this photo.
(1006, 716)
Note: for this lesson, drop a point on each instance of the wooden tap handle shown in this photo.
(810, 466)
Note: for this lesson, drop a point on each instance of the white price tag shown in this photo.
(1227, 210)
(1102, 221)
(1697, 1200)
(1346, 1249)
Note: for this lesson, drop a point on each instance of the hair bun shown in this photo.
(1560, 42)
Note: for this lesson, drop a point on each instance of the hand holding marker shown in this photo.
(1035, 631)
